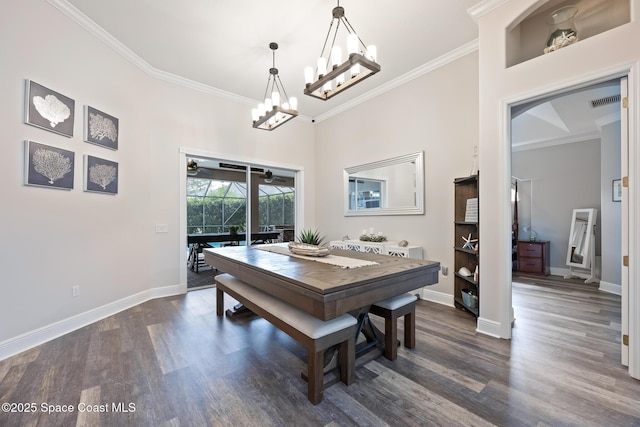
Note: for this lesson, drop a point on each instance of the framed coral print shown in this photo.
(100, 175)
(100, 128)
(47, 166)
(49, 110)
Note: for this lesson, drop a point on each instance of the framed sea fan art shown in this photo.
(100, 175)
(100, 128)
(49, 110)
(47, 166)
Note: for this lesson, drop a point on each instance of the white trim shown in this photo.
(430, 66)
(632, 70)
(483, 8)
(41, 335)
(85, 22)
(96, 30)
(437, 297)
(542, 143)
(489, 327)
(611, 288)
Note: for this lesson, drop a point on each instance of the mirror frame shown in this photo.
(418, 209)
(592, 214)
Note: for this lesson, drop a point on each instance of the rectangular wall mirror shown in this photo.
(392, 186)
(580, 252)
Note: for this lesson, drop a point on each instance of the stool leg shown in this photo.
(219, 302)
(410, 330)
(390, 338)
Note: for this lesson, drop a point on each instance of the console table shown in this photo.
(382, 248)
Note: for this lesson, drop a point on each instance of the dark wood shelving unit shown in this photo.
(465, 188)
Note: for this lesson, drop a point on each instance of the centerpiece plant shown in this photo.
(310, 237)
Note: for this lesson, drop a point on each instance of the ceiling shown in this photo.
(225, 44)
(223, 47)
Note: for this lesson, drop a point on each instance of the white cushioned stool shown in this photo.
(315, 334)
(390, 309)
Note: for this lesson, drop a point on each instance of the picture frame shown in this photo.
(100, 128)
(100, 175)
(49, 110)
(48, 166)
(616, 190)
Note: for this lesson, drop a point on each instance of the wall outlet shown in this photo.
(75, 291)
(445, 271)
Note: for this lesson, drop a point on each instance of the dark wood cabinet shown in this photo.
(533, 257)
(466, 287)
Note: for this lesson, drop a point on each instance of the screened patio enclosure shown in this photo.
(218, 198)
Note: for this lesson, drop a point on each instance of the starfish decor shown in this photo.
(468, 242)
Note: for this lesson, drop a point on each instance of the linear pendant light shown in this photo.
(276, 109)
(332, 76)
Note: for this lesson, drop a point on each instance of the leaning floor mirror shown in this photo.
(581, 248)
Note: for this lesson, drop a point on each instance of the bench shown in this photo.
(315, 334)
(391, 309)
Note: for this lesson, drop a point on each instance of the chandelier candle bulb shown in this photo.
(352, 43)
(308, 75)
(336, 56)
(275, 98)
(322, 67)
(372, 53)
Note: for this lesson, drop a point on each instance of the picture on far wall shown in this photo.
(100, 175)
(617, 190)
(49, 110)
(47, 166)
(100, 128)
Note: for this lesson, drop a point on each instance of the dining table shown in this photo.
(326, 287)
(198, 241)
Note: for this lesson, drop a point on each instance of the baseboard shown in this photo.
(611, 288)
(437, 297)
(39, 336)
(488, 327)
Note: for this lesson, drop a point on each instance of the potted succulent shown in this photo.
(310, 237)
(233, 229)
(309, 243)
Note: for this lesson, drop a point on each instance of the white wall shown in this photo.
(610, 214)
(51, 240)
(564, 177)
(436, 113)
(595, 58)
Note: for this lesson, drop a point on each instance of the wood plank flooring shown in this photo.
(173, 362)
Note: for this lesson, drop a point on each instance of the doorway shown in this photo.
(231, 203)
(567, 147)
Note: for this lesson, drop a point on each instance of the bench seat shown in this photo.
(315, 334)
(391, 309)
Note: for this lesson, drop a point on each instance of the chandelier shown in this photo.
(277, 109)
(360, 63)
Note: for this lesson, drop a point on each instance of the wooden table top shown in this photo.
(323, 290)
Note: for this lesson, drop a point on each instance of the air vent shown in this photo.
(605, 101)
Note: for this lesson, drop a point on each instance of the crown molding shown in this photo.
(88, 24)
(543, 143)
(430, 66)
(92, 27)
(483, 8)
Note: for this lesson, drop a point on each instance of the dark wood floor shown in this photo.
(177, 364)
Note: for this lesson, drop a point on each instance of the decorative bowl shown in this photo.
(308, 250)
